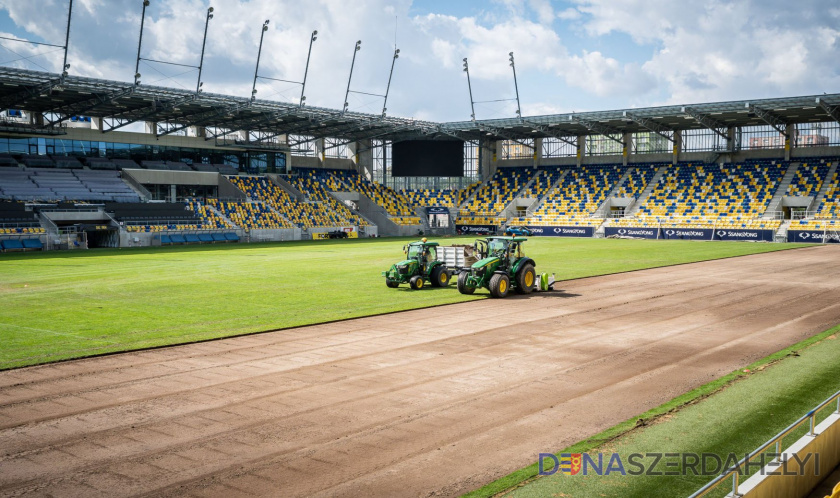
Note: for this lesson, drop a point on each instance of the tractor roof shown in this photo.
(517, 239)
(421, 243)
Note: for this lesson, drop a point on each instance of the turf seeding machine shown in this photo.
(497, 264)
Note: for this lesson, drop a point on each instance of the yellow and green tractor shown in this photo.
(502, 266)
(420, 268)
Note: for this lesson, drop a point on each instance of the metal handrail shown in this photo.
(775, 440)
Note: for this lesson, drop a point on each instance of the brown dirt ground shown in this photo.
(420, 403)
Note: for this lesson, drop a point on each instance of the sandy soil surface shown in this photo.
(420, 403)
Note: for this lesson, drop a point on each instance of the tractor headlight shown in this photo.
(403, 268)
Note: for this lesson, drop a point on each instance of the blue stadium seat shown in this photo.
(177, 239)
(205, 237)
(219, 237)
(192, 238)
(33, 244)
(12, 244)
(164, 239)
(232, 237)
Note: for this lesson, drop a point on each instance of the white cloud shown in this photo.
(604, 53)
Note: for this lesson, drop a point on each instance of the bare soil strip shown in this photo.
(419, 403)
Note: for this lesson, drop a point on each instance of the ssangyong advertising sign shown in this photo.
(640, 232)
(813, 236)
(561, 231)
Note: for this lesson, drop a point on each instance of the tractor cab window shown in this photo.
(415, 251)
(497, 247)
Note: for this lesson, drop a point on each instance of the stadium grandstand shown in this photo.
(695, 171)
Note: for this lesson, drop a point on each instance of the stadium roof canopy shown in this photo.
(120, 104)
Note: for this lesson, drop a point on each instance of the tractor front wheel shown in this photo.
(392, 284)
(463, 288)
(499, 285)
(525, 279)
(439, 277)
(417, 282)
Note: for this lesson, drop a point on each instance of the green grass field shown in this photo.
(69, 305)
(745, 409)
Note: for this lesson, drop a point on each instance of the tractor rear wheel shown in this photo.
(463, 288)
(499, 285)
(439, 277)
(417, 282)
(525, 279)
(392, 284)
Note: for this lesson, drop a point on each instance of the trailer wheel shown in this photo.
(439, 276)
(392, 284)
(525, 279)
(499, 285)
(417, 282)
(463, 288)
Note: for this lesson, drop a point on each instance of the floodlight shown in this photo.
(67, 66)
(145, 3)
(210, 10)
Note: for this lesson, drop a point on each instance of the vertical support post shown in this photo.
(350, 78)
(516, 86)
(469, 87)
(65, 66)
(203, 45)
(259, 54)
(735, 483)
(390, 75)
(306, 71)
(140, 44)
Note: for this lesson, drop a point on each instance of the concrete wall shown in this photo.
(163, 177)
(775, 485)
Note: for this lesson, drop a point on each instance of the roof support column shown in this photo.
(732, 139)
(320, 151)
(677, 146)
(790, 137)
(363, 157)
(581, 144)
(537, 151)
(625, 149)
(486, 158)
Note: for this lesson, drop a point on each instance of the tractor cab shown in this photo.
(421, 252)
(502, 266)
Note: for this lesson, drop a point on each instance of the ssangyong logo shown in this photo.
(669, 232)
(721, 233)
(804, 235)
(621, 231)
(558, 230)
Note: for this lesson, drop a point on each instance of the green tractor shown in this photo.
(501, 266)
(420, 267)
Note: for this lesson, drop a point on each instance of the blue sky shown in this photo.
(570, 56)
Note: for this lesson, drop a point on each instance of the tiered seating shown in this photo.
(51, 185)
(478, 220)
(808, 179)
(153, 217)
(250, 214)
(636, 182)
(815, 224)
(20, 244)
(208, 217)
(497, 193)
(302, 214)
(398, 207)
(466, 192)
(576, 198)
(712, 191)
(830, 205)
(735, 223)
(545, 178)
(316, 185)
(428, 198)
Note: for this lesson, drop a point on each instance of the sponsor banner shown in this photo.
(562, 231)
(640, 232)
(437, 210)
(687, 233)
(468, 229)
(744, 234)
(813, 236)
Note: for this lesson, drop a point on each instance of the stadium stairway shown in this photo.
(604, 208)
(510, 209)
(826, 185)
(775, 204)
(545, 196)
(648, 189)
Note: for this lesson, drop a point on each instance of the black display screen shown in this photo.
(428, 158)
